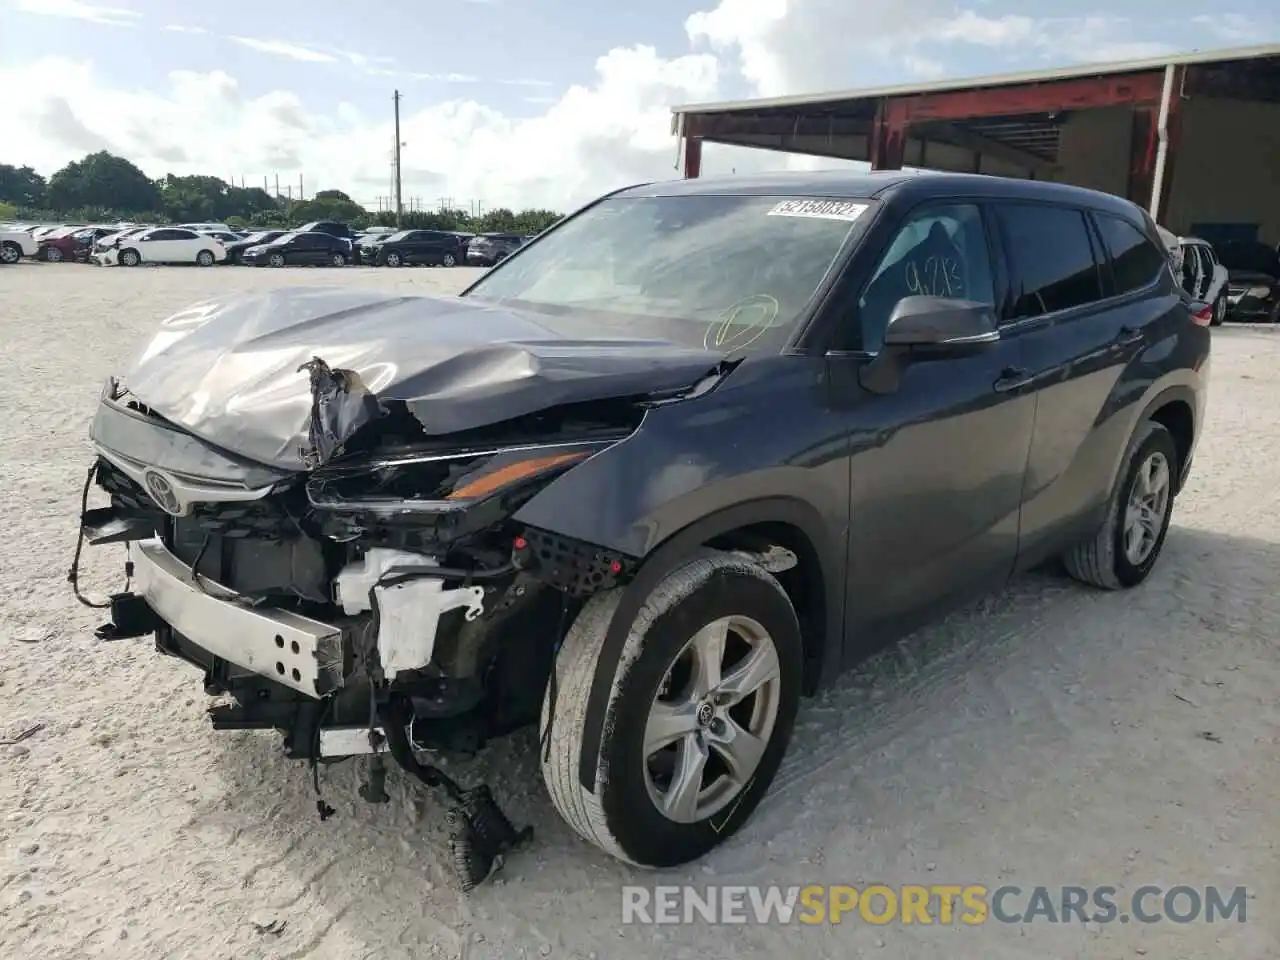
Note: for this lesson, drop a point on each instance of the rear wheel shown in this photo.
(699, 712)
(449, 260)
(338, 260)
(1123, 553)
(1219, 311)
(205, 258)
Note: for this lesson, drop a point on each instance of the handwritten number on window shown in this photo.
(935, 277)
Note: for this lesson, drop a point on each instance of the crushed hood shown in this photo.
(286, 377)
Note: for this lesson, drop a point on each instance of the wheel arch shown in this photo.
(814, 585)
(1174, 409)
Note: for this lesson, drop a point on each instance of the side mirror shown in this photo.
(926, 328)
(940, 323)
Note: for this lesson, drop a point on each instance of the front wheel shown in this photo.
(1123, 553)
(276, 260)
(1219, 312)
(700, 707)
(10, 252)
(129, 258)
(52, 254)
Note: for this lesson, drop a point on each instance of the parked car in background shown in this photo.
(204, 227)
(162, 245)
(1253, 285)
(415, 248)
(113, 239)
(223, 236)
(75, 243)
(489, 248)
(16, 244)
(299, 249)
(1203, 277)
(238, 247)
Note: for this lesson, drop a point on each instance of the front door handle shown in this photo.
(1011, 378)
(1128, 336)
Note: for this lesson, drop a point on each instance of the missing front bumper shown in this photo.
(292, 650)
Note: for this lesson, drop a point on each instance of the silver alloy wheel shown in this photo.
(1148, 502)
(449, 261)
(338, 260)
(129, 258)
(204, 258)
(393, 259)
(704, 739)
(9, 253)
(276, 260)
(52, 254)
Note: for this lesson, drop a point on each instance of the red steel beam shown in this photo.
(692, 158)
(1049, 96)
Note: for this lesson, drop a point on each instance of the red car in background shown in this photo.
(70, 243)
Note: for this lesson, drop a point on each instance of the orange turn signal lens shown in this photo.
(487, 484)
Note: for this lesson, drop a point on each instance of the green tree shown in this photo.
(329, 208)
(8, 211)
(21, 186)
(332, 195)
(105, 181)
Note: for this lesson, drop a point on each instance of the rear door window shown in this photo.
(1051, 256)
(1136, 261)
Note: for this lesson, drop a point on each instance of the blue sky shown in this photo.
(513, 101)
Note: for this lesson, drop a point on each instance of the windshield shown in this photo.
(721, 272)
(392, 237)
(285, 238)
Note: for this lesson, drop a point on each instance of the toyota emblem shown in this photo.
(161, 489)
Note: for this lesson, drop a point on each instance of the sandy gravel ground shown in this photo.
(1048, 736)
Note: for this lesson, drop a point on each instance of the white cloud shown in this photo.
(279, 48)
(183, 28)
(79, 10)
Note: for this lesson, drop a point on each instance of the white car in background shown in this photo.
(16, 244)
(163, 245)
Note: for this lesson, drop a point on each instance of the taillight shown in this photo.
(1203, 316)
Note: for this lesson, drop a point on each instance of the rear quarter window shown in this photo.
(1136, 261)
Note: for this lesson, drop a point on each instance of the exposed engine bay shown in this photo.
(379, 605)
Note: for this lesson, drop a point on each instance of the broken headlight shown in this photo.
(436, 483)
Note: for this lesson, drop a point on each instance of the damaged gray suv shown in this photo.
(666, 469)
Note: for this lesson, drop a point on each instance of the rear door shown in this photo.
(936, 470)
(1086, 294)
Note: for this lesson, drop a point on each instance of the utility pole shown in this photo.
(277, 186)
(399, 204)
(301, 195)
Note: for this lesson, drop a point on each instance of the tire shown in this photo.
(129, 258)
(52, 254)
(337, 260)
(622, 816)
(205, 258)
(1102, 561)
(449, 260)
(1219, 312)
(276, 260)
(394, 260)
(10, 252)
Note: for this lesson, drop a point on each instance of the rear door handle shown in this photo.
(1011, 378)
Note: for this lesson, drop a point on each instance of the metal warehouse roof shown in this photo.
(995, 80)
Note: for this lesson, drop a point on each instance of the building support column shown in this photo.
(1168, 134)
(888, 135)
(692, 157)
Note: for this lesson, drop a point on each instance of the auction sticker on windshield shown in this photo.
(819, 209)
